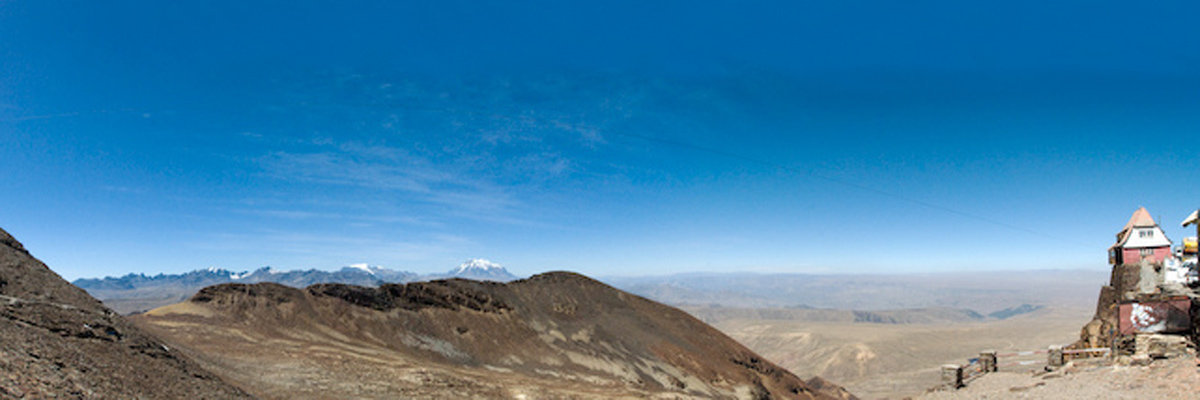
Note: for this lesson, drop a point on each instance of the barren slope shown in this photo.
(555, 335)
(58, 342)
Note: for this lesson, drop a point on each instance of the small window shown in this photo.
(1146, 234)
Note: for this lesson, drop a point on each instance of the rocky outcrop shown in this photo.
(449, 294)
(829, 388)
(1127, 282)
(58, 342)
(1140, 283)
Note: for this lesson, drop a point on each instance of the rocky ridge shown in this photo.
(559, 335)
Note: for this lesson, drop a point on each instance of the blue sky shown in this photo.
(610, 138)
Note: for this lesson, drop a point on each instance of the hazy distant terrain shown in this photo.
(883, 336)
(717, 314)
(983, 292)
(875, 360)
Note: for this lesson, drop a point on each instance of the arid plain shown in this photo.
(887, 360)
(885, 336)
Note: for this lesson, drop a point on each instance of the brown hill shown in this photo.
(555, 335)
(58, 342)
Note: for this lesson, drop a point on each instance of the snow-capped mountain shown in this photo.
(378, 274)
(370, 269)
(220, 272)
(138, 292)
(481, 269)
(356, 274)
(477, 264)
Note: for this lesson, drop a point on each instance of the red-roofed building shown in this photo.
(1140, 239)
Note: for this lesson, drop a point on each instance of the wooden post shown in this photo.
(987, 361)
(952, 376)
(1056, 356)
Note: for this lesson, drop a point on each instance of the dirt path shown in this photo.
(1164, 379)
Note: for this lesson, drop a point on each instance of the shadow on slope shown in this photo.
(557, 334)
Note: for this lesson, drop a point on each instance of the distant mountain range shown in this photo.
(140, 292)
(354, 274)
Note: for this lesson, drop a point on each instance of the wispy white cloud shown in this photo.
(488, 150)
(124, 189)
(361, 220)
(42, 116)
(309, 250)
(390, 169)
(76, 114)
(541, 166)
(288, 214)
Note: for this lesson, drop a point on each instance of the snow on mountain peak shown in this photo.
(477, 264)
(364, 267)
(223, 271)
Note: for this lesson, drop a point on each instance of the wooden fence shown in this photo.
(955, 376)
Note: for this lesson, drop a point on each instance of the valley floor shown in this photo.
(876, 361)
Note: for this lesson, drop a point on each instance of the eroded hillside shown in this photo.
(555, 335)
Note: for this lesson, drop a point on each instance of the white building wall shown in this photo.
(1146, 237)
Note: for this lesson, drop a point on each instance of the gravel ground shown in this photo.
(1164, 379)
